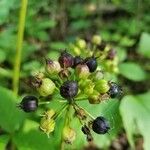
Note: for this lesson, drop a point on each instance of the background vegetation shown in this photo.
(51, 26)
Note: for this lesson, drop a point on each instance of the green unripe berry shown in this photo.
(69, 135)
(94, 98)
(52, 67)
(96, 39)
(102, 86)
(98, 75)
(47, 125)
(82, 71)
(85, 83)
(81, 43)
(46, 88)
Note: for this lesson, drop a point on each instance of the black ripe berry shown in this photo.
(69, 89)
(29, 103)
(91, 62)
(114, 90)
(66, 60)
(100, 125)
(77, 60)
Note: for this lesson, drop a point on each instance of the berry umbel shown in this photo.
(68, 81)
(29, 104)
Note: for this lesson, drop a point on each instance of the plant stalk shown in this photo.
(19, 45)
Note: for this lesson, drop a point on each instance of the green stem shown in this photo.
(44, 103)
(66, 123)
(19, 45)
(93, 118)
(59, 113)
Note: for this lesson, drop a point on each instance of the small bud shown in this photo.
(66, 60)
(102, 86)
(94, 98)
(96, 39)
(49, 113)
(69, 135)
(64, 73)
(46, 88)
(85, 130)
(81, 43)
(47, 125)
(81, 114)
(29, 104)
(82, 71)
(52, 67)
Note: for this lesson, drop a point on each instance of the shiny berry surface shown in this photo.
(91, 62)
(115, 90)
(29, 103)
(100, 125)
(69, 89)
(77, 60)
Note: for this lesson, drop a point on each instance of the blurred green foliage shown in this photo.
(50, 27)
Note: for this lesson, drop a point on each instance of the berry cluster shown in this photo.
(73, 78)
(107, 56)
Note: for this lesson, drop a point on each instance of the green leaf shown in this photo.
(33, 140)
(144, 45)
(126, 41)
(11, 117)
(31, 135)
(135, 112)
(132, 71)
(3, 141)
(57, 45)
(2, 55)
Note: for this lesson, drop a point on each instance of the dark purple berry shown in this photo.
(29, 104)
(66, 60)
(77, 60)
(114, 90)
(69, 89)
(100, 125)
(91, 62)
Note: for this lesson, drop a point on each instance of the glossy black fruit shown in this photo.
(66, 60)
(100, 125)
(91, 62)
(29, 104)
(77, 60)
(114, 90)
(69, 89)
